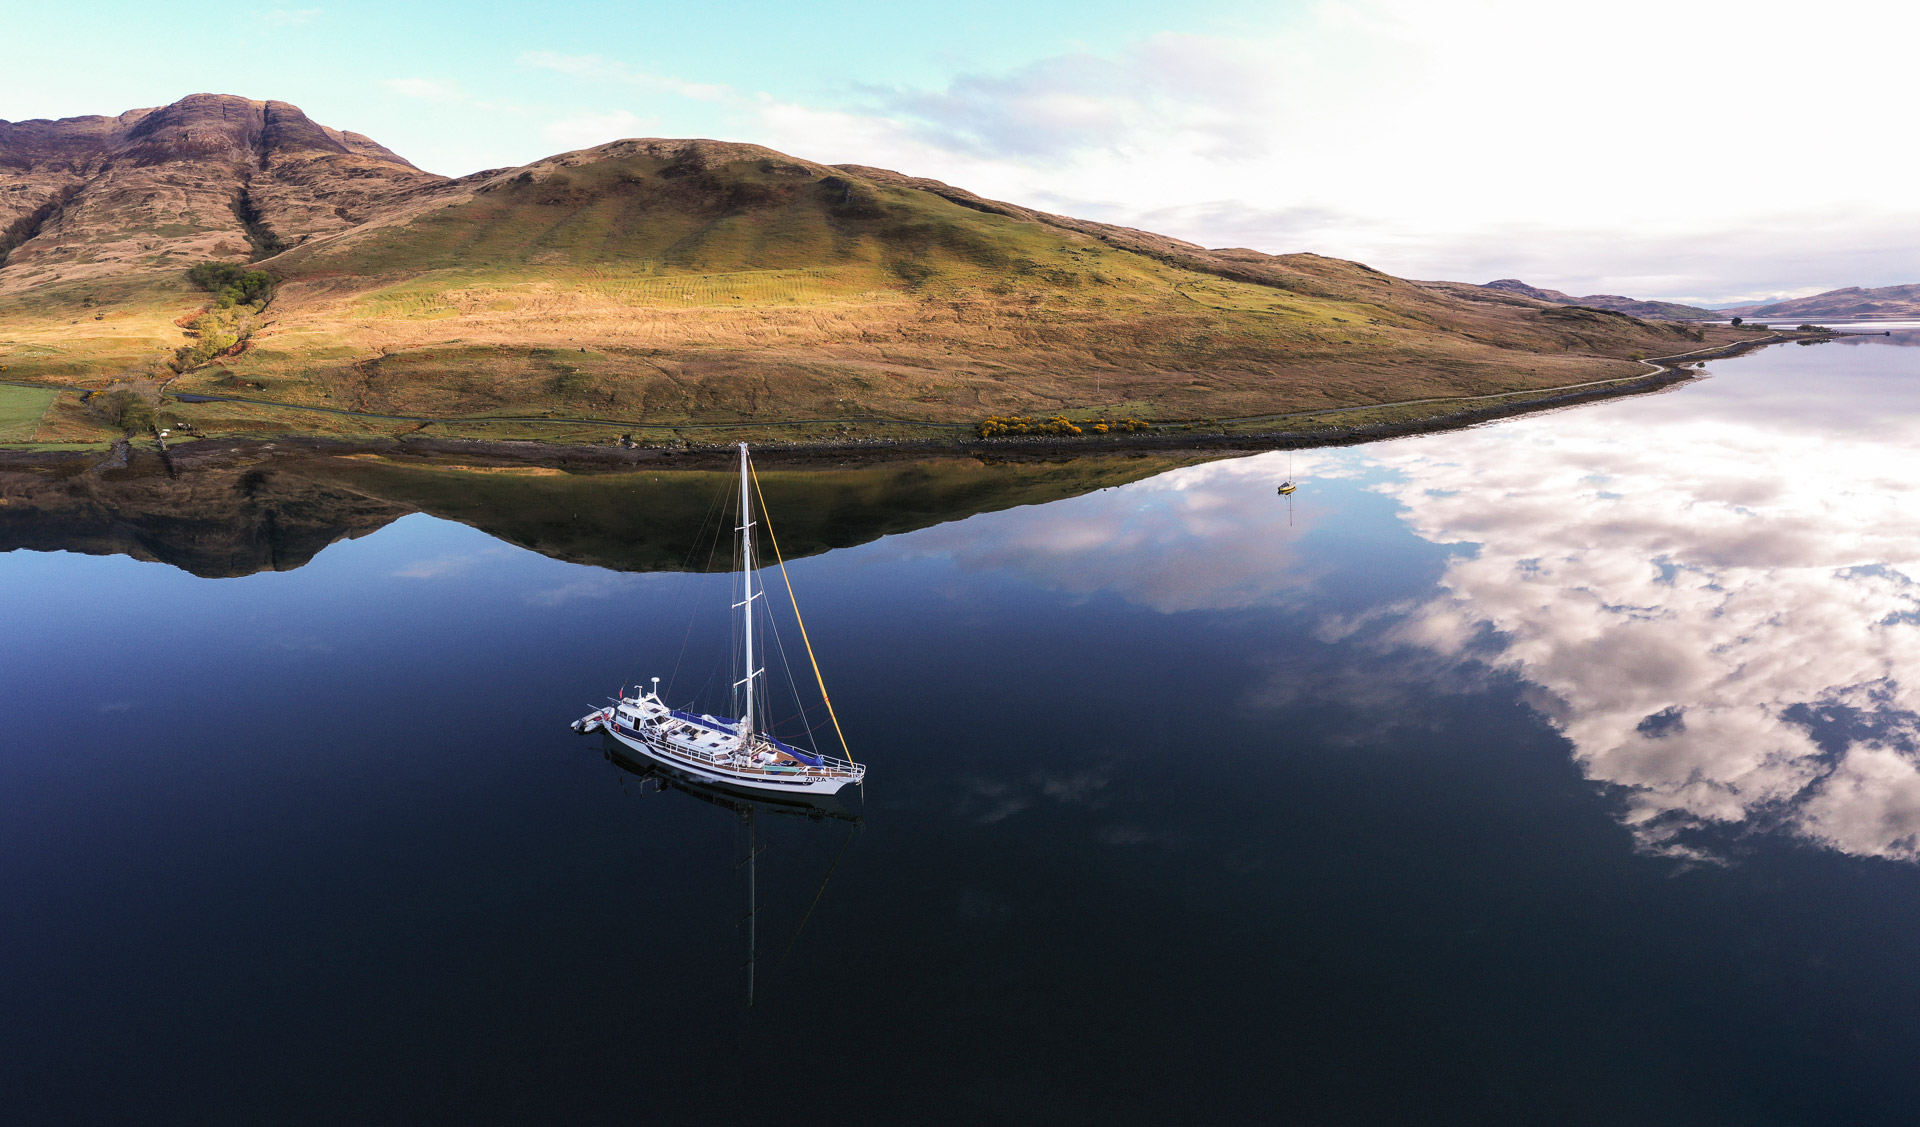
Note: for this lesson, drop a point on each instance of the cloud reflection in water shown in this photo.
(1721, 612)
(1711, 594)
(1181, 541)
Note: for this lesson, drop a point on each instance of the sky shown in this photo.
(1673, 149)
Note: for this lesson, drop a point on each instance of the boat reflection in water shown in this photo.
(655, 779)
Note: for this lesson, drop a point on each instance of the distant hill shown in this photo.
(1889, 302)
(207, 177)
(1633, 307)
(674, 281)
(1515, 285)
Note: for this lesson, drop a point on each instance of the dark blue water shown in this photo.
(1559, 771)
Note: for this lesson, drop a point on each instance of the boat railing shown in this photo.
(838, 768)
(829, 768)
(827, 764)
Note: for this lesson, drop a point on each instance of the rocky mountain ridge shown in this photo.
(210, 176)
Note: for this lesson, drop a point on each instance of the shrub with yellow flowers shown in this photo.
(1059, 426)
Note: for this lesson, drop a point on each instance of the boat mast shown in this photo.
(747, 594)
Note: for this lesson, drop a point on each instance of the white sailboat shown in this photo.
(716, 749)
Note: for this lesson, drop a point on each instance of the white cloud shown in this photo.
(595, 585)
(587, 129)
(595, 67)
(1870, 805)
(437, 567)
(1651, 149)
(1465, 141)
(293, 17)
(426, 89)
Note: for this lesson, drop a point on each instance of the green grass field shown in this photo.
(457, 293)
(21, 409)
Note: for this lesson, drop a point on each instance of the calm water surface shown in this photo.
(1559, 771)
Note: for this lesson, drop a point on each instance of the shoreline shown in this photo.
(1666, 372)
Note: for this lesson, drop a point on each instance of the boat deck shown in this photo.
(712, 744)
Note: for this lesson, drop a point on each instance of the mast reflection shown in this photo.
(746, 809)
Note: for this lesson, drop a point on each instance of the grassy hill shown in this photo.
(680, 282)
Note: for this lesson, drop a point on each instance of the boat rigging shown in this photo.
(720, 750)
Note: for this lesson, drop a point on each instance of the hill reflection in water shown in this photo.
(277, 514)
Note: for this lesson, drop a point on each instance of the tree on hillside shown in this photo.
(233, 284)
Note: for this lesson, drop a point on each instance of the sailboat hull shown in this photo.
(720, 774)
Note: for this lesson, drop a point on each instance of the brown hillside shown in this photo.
(210, 176)
(666, 281)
